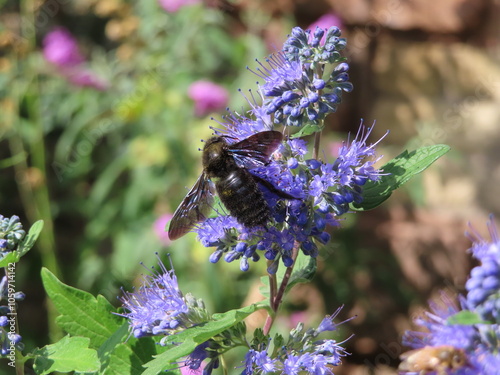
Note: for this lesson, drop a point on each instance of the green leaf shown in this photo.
(303, 272)
(129, 358)
(30, 238)
(81, 313)
(188, 339)
(465, 318)
(400, 170)
(12, 257)
(68, 354)
(307, 130)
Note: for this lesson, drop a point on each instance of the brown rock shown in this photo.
(445, 16)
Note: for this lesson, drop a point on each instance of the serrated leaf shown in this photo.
(82, 314)
(129, 358)
(106, 350)
(28, 241)
(400, 170)
(188, 339)
(466, 318)
(68, 354)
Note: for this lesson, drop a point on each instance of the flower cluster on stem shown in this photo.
(11, 235)
(477, 340)
(302, 84)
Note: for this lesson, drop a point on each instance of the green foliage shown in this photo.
(466, 318)
(82, 314)
(91, 321)
(68, 354)
(399, 170)
(192, 337)
(27, 243)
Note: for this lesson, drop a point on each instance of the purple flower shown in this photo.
(173, 6)
(327, 323)
(159, 307)
(208, 97)
(321, 191)
(258, 361)
(11, 233)
(194, 361)
(484, 283)
(60, 48)
(299, 91)
(477, 342)
(324, 22)
(301, 353)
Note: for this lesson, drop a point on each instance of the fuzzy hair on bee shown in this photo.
(433, 359)
(226, 172)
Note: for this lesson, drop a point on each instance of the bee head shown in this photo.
(213, 150)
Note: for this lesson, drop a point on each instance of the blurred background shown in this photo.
(103, 105)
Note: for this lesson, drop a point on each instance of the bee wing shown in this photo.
(256, 149)
(194, 208)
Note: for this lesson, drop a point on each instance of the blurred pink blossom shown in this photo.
(325, 22)
(173, 6)
(296, 317)
(208, 97)
(159, 228)
(60, 48)
(334, 148)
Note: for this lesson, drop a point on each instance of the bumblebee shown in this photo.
(225, 171)
(438, 359)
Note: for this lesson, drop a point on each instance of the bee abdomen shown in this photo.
(243, 198)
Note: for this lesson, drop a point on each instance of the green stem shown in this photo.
(277, 297)
(224, 365)
(35, 198)
(317, 141)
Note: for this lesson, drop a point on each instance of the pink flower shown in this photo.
(325, 22)
(159, 228)
(173, 6)
(60, 48)
(208, 97)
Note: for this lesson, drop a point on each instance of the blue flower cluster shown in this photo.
(303, 83)
(11, 233)
(159, 307)
(303, 353)
(479, 342)
(323, 190)
(8, 336)
(483, 287)
(298, 88)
